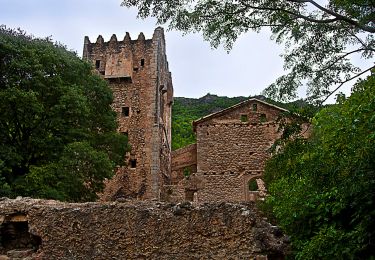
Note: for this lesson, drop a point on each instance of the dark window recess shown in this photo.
(97, 64)
(135, 69)
(142, 62)
(244, 118)
(133, 163)
(255, 107)
(125, 111)
(15, 235)
(253, 185)
(263, 118)
(125, 133)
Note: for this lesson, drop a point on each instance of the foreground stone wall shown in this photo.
(144, 230)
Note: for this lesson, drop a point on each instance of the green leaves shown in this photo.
(57, 129)
(319, 39)
(322, 189)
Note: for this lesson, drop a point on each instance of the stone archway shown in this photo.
(253, 187)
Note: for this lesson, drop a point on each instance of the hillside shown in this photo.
(186, 110)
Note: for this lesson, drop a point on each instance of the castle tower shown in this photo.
(138, 74)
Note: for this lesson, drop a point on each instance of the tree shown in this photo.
(319, 38)
(322, 189)
(57, 129)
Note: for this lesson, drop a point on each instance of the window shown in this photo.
(97, 64)
(125, 111)
(125, 133)
(133, 163)
(244, 118)
(142, 62)
(255, 107)
(253, 185)
(263, 118)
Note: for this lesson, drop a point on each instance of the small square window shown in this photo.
(133, 163)
(263, 118)
(244, 118)
(255, 107)
(125, 111)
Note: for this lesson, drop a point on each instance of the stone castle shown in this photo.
(138, 74)
(226, 163)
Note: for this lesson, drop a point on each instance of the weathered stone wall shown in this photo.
(232, 147)
(224, 143)
(138, 74)
(146, 230)
(184, 158)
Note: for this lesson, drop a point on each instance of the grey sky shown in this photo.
(197, 69)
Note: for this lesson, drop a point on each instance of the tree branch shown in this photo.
(340, 17)
(338, 59)
(306, 18)
(345, 81)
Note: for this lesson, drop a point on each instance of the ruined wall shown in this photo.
(225, 143)
(184, 159)
(145, 230)
(232, 148)
(138, 74)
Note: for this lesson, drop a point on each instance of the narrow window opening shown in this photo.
(244, 118)
(253, 185)
(263, 118)
(133, 163)
(97, 64)
(135, 69)
(255, 107)
(125, 111)
(142, 62)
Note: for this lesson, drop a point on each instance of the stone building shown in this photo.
(138, 74)
(229, 156)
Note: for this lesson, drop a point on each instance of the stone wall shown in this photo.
(232, 148)
(138, 74)
(142, 230)
(184, 159)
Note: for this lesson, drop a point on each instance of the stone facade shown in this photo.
(138, 74)
(136, 230)
(231, 150)
(184, 162)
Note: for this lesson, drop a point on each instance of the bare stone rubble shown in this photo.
(141, 230)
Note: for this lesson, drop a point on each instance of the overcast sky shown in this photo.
(197, 69)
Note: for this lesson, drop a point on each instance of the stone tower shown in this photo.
(137, 72)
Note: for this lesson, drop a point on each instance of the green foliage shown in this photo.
(57, 129)
(322, 190)
(186, 110)
(319, 38)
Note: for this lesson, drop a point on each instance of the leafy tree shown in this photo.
(57, 130)
(319, 38)
(322, 190)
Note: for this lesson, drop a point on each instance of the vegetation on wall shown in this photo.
(58, 135)
(322, 190)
